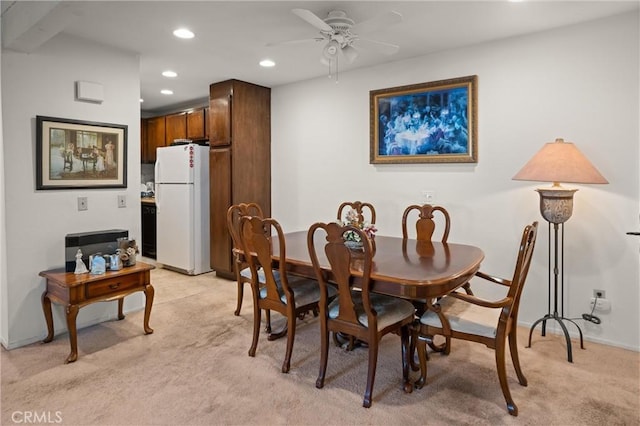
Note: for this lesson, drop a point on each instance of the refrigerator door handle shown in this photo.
(156, 193)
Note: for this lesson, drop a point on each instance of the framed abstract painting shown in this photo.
(433, 122)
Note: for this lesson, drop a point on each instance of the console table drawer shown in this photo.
(112, 285)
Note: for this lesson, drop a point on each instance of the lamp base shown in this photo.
(558, 293)
(556, 203)
(560, 320)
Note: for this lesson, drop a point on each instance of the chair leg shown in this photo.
(267, 314)
(291, 335)
(256, 328)
(371, 374)
(406, 352)
(240, 296)
(502, 376)
(324, 352)
(467, 288)
(513, 347)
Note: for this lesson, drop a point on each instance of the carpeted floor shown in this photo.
(194, 369)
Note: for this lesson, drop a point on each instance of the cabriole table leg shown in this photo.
(48, 317)
(148, 293)
(72, 314)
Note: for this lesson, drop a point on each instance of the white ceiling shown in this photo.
(232, 36)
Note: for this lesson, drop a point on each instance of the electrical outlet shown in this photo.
(122, 201)
(429, 196)
(601, 304)
(599, 294)
(83, 204)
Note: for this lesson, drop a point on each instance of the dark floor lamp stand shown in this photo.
(557, 162)
(559, 318)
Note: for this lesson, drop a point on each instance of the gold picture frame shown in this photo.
(433, 122)
(75, 154)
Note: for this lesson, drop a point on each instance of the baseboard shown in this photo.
(63, 330)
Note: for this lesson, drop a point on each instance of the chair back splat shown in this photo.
(357, 311)
(425, 223)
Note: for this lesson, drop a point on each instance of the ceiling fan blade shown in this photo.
(289, 42)
(378, 23)
(313, 19)
(378, 46)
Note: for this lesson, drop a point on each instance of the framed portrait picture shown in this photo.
(74, 154)
(433, 122)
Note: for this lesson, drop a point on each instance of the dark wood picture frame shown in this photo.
(75, 154)
(433, 122)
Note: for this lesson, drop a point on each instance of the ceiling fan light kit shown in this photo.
(331, 49)
(341, 35)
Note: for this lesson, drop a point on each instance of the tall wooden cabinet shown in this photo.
(239, 159)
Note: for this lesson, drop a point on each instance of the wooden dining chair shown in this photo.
(357, 311)
(466, 317)
(243, 272)
(425, 227)
(366, 212)
(291, 297)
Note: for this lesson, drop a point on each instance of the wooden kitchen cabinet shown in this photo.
(239, 160)
(176, 127)
(197, 124)
(220, 115)
(155, 137)
(144, 149)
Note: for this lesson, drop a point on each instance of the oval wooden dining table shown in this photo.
(404, 268)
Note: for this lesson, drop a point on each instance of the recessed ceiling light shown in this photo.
(183, 33)
(267, 63)
(169, 73)
(166, 92)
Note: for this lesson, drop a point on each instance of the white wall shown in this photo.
(4, 315)
(42, 83)
(579, 83)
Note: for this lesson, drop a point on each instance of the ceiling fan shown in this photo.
(342, 34)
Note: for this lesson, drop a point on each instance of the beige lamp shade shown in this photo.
(557, 162)
(560, 161)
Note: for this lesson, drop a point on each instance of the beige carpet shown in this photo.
(195, 370)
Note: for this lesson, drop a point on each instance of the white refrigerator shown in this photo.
(182, 202)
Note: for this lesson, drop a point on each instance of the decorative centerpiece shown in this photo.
(351, 239)
(127, 250)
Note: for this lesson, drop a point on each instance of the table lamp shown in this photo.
(557, 162)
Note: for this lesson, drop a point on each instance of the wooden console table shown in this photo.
(76, 291)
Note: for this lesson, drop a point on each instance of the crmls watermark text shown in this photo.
(33, 417)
